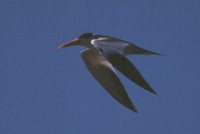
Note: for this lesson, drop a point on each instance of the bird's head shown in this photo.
(84, 39)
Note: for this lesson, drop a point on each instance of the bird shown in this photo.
(103, 55)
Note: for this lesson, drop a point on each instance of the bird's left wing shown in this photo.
(104, 73)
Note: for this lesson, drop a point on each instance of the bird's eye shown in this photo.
(86, 35)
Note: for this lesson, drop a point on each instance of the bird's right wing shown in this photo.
(129, 70)
(104, 73)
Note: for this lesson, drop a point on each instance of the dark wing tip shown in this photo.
(154, 92)
(159, 54)
(133, 109)
(148, 88)
(130, 106)
(155, 53)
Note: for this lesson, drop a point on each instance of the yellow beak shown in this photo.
(70, 43)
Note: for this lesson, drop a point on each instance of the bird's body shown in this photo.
(103, 53)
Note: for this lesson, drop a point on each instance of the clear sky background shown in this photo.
(44, 90)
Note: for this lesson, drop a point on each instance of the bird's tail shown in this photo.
(133, 49)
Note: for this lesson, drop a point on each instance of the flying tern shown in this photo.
(104, 54)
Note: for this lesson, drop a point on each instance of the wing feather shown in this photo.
(129, 70)
(103, 72)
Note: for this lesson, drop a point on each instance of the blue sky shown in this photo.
(44, 90)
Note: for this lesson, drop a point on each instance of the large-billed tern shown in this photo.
(105, 53)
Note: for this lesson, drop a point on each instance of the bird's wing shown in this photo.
(108, 43)
(133, 49)
(129, 70)
(104, 73)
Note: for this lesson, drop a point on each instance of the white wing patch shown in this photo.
(109, 46)
(108, 64)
